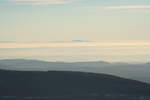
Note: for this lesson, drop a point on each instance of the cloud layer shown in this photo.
(129, 7)
(69, 44)
(43, 2)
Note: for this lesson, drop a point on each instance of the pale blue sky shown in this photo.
(61, 20)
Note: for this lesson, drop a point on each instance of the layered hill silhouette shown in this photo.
(136, 71)
(67, 85)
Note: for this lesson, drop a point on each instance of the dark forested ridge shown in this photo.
(64, 85)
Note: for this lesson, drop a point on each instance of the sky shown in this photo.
(57, 23)
(63, 20)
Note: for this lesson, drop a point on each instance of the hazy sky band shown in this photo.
(85, 44)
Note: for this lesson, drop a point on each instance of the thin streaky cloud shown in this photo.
(129, 7)
(42, 2)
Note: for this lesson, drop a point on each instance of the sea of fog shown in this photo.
(86, 53)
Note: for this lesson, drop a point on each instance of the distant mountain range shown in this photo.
(46, 41)
(67, 85)
(139, 72)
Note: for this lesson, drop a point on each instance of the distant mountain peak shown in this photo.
(81, 41)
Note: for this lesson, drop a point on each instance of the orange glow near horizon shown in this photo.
(69, 44)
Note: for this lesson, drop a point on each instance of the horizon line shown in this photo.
(7, 45)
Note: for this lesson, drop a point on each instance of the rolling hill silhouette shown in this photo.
(139, 71)
(65, 85)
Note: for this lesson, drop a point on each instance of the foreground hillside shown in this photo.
(63, 85)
